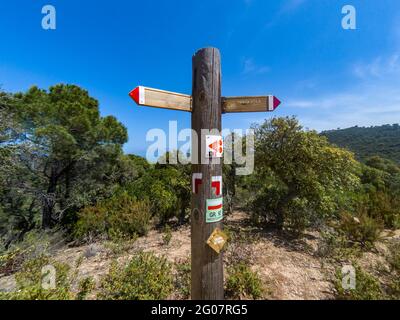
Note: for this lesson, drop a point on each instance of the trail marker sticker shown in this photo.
(196, 182)
(214, 146)
(217, 240)
(216, 185)
(214, 212)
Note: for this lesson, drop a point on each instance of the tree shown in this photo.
(167, 187)
(66, 145)
(380, 191)
(301, 174)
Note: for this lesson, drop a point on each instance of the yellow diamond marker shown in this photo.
(217, 240)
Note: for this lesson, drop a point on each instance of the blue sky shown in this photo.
(295, 49)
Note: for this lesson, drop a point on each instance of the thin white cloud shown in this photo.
(379, 67)
(288, 7)
(250, 67)
(374, 99)
(368, 105)
(291, 5)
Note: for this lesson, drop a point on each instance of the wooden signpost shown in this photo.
(206, 106)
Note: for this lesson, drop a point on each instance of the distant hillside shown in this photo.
(383, 141)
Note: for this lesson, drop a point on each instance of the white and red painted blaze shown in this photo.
(197, 180)
(216, 184)
(273, 103)
(138, 95)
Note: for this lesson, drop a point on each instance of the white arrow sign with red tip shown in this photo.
(161, 99)
(145, 96)
(250, 104)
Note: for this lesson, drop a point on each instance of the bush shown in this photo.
(167, 188)
(335, 245)
(10, 261)
(86, 285)
(360, 228)
(394, 257)
(167, 236)
(121, 213)
(183, 279)
(243, 283)
(118, 242)
(145, 277)
(367, 287)
(29, 282)
(383, 206)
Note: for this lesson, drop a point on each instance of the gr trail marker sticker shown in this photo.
(217, 240)
(214, 212)
(214, 146)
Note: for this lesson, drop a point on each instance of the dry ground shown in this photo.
(289, 268)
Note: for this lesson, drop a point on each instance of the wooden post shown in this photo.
(206, 106)
(207, 265)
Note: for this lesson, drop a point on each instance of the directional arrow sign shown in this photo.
(214, 146)
(161, 99)
(250, 104)
(145, 96)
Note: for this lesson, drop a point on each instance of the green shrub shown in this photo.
(394, 289)
(394, 257)
(29, 282)
(167, 188)
(118, 242)
(167, 236)
(121, 213)
(383, 206)
(86, 286)
(243, 283)
(183, 278)
(335, 245)
(360, 228)
(92, 222)
(10, 261)
(145, 277)
(367, 287)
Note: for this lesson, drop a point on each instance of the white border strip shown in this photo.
(142, 99)
(270, 106)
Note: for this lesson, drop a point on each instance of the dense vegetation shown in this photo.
(383, 141)
(62, 169)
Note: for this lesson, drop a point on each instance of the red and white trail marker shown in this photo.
(197, 180)
(250, 104)
(273, 103)
(214, 146)
(216, 184)
(145, 96)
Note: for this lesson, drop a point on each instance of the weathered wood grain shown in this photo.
(207, 265)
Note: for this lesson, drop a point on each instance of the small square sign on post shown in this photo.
(214, 146)
(217, 240)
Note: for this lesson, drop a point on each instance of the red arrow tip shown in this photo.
(134, 94)
(277, 102)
